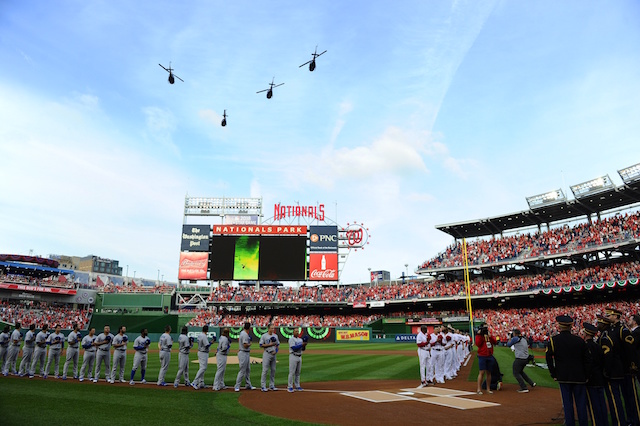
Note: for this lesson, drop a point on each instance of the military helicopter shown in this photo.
(270, 90)
(171, 74)
(224, 118)
(312, 62)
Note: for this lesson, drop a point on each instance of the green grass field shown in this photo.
(40, 401)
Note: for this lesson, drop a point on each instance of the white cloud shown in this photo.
(161, 125)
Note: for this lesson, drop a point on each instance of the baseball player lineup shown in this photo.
(42, 351)
(441, 354)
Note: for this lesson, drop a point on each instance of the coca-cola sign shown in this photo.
(193, 266)
(323, 267)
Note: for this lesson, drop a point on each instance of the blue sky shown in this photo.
(420, 113)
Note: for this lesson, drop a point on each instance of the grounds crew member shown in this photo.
(73, 352)
(224, 344)
(244, 359)
(521, 347)
(204, 345)
(297, 345)
(119, 343)
(596, 401)
(103, 342)
(27, 351)
(89, 355)
(14, 349)
(270, 343)
(141, 346)
(185, 344)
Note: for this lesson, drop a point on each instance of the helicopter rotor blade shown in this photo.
(263, 90)
(278, 85)
(321, 53)
(178, 78)
(308, 62)
(164, 68)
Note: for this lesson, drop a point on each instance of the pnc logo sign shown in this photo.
(314, 238)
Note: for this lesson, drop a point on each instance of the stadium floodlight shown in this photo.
(599, 184)
(203, 206)
(546, 199)
(630, 174)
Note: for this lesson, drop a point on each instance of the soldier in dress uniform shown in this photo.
(596, 400)
(568, 361)
(621, 334)
(613, 372)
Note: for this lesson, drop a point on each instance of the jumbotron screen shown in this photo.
(258, 257)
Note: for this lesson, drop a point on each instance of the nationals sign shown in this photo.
(193, 266)
(323, 267)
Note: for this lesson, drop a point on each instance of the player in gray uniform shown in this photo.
(297, 344)
(12, 353)
(141, 346)
(270, 343)
(119, 354)
(89, 356)
(40, 352)
(204, 344)
(27, 351)
(244, 359)
(164, 345)
(224, 344)
(56, 344)
(5, 339)
(185, 344)
(73, 352)
(103, 342)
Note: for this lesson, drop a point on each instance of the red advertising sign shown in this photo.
(323, 267)
(22, 287)
(259, 230)
(193, 266)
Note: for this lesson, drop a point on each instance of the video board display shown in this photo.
(258, 257)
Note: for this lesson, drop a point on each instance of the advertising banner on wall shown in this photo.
(193, 266)
(351, 335)
(195, 238)
(323, 267)
(323, 239)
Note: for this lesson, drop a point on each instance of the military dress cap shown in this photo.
(564, 320)
(589, 328)
(604, 320)
(612, 311)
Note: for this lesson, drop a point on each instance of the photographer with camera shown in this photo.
(485, 344)
(521, 347)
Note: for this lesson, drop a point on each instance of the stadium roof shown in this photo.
(39, 268)
(594, 202)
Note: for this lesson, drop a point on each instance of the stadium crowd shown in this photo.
(59, 281)
(565, 239)
(234, 320)
(40, 313)
(437, 288)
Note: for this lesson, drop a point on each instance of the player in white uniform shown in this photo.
(73, 352)
(10, 366)
(40, 352)
(224, 344)
(89, 356)
(185, 344)
(164, 345)
(437, 354)
(56, 344)
(297, 345)
(244, 359)
(270, 343)
(5, 339)
(204, 344)
(449, 355)
(424, 355)
(140, 345)
(27, 351)
(119, 344)
(103, 342)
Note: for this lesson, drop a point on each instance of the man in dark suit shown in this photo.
(568, 362)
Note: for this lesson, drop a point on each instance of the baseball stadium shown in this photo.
(401, 351)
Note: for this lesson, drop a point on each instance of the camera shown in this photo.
(483, 331)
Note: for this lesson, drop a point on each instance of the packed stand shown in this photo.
(39, 313)
(58, 281)
(559, 240)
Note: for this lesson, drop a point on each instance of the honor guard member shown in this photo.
(164, 345)
(568, 362)
(15, 341)
(73, 352)
(40, 352)
(635, 332)
(244, 359)
(623, 337)
(119, 343)
(204, 345)
(297, 345)
(27, 351)
(141, 346)
(424, 357)
(270, 343)
(56, 344)
(596, 401)
(613, 371)
(5, 339)
(89, 355)
(103, 343)
(224, 344)
(185, 344)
